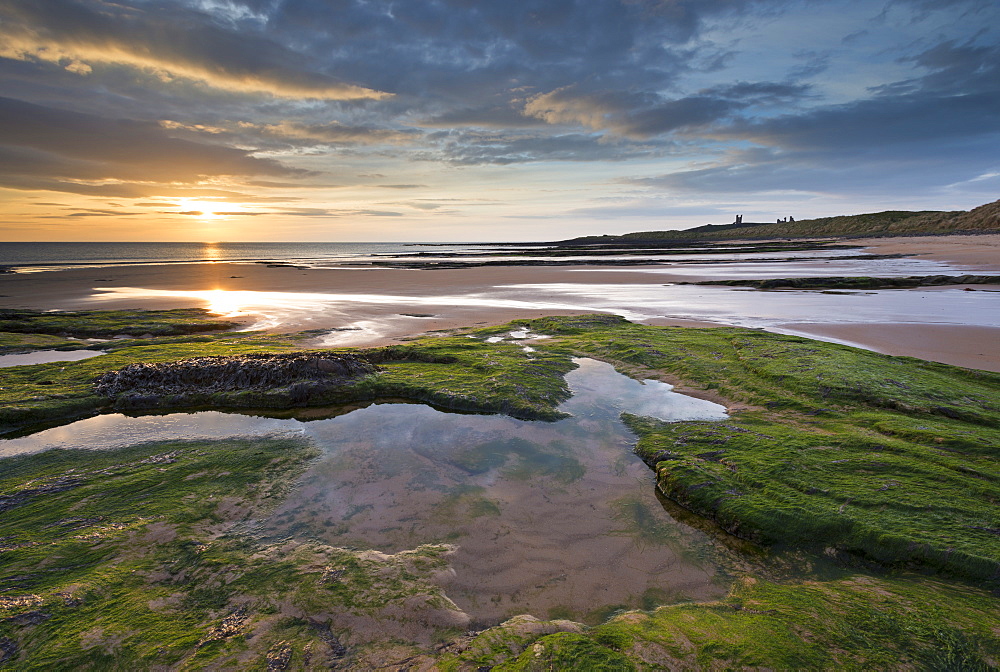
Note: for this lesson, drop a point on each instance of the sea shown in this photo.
(45, 255)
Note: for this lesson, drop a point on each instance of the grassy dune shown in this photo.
(985, 218)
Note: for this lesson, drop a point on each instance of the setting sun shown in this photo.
(205, 209)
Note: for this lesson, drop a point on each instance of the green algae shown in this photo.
(452, 373)
(855, 622)
(137, 558)
(858, 622)
(891, 458)
(95, 538)
(109, 323)
(11, 342)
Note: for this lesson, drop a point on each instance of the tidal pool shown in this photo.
(46, 357)
(555, 519)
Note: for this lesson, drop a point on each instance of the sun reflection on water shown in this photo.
(211, 252)
(279, 308)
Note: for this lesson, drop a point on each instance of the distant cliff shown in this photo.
(889, 223)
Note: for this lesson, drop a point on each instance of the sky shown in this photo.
(480, 120)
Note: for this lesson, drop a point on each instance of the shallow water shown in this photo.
(756, 309)
(548, 518)
(46, 357)
(360, 317)
(811, 268)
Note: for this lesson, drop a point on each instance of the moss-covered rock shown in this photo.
(109, 323)
(892, 458)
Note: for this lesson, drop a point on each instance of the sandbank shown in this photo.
(440, 298)
(970, 346)
(980, 253)
(961, 345)
(973, 347)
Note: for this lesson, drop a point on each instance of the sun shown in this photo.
(205, 210)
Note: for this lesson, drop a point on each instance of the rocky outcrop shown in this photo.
(265, 380)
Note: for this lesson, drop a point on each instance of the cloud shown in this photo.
(166, 42)
(337, 133)
(446, 56)
(927, 132)
(49, 148)
(473, 148)
(645, 114)
(492, 116)
(876, 125)
(245, 100)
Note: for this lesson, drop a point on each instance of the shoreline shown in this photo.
(378, 306)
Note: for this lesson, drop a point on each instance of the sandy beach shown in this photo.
(371, 306)
(962, 345)
(980, 253)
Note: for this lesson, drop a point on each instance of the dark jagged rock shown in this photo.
(233, 624)
(28, 618)
(324, 633)
(288, 379)
(279, 656)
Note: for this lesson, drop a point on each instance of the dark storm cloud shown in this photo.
(957, 97)
(458, 63)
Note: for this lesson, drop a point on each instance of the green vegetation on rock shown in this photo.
(109, 323)
(143, 558)
(139, 558)
(855, 622)
(11, 342)
(456, 373)
(892, 458)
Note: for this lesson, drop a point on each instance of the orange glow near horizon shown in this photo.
(206, 210)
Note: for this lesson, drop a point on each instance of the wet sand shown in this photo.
(961, 345)
(81, 289)
(382, 306)
(979, 253)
